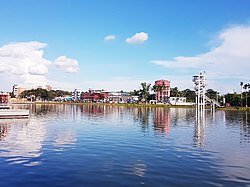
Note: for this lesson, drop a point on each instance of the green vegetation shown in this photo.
(42, 94)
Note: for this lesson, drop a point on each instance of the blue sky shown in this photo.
(61, 43)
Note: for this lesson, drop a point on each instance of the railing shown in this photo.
(212, 101)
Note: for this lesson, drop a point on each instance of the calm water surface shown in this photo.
(66, 145)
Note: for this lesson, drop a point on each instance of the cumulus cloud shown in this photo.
(23, 58)
(24, 63)
(226, 61)
(67, 64)
(138, 38)
(110, 37)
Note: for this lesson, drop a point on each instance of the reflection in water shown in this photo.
(138, 169)
(199, 132)
(87, 143)
(239, 119)
(162, 120)
(142, 114)
(22, 141)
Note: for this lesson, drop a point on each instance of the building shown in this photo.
(122, 97)
(4, 97)
(76, 95)
(48, 87)
(95, 96)
(162, 90)
(17, 90)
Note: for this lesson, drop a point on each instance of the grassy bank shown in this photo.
(144, 105)
(119, 104)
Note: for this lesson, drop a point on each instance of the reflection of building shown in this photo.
(4, 97)
(162, 119)
(162, 90)
(3, 131)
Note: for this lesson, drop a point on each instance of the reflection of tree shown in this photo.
(239, 120)
(162, 120)
(141, 114)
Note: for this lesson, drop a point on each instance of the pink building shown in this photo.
(162, 90)
(4, 97)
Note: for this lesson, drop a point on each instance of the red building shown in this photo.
(94, 96)
(162, 90)
(4, 97)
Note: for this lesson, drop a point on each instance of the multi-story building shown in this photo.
(162, 90)
(17, 90)
(95, 95)
(76, 95)
(4, 97)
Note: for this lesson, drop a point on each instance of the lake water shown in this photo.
(91, 145)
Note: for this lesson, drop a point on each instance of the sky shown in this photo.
(117, 44)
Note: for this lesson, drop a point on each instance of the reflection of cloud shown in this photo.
(22, 142)
(66, 138)
(138, 169)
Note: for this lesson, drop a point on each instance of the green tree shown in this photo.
(145, 91)
(174, 92)
(189, 94)
(241, 89)
(234, 99)
(159, 88)
(212, 94)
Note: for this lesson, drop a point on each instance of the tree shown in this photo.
(174, 92)
(246, 88)
(212, 94)
(145, 91)
(189, 94)
(241, 85)
(233, 99)
(159, 88)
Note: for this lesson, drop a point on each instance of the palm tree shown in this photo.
(145, 90)
(241, 85)
(246, 88)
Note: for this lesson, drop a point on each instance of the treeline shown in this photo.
(147, 92)
(230, 99)
(43, 94)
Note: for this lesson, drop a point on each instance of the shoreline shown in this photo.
(231, 108)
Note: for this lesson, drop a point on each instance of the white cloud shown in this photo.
(22, 58)
(110, 37)
(229, 60)
(24, 63)
(67, 64)
(138, 38)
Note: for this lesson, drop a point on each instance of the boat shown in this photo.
(6, 112)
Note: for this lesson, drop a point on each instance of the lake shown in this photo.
(98, 145)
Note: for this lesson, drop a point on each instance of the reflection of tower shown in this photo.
(199, 133)
(162, 120)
